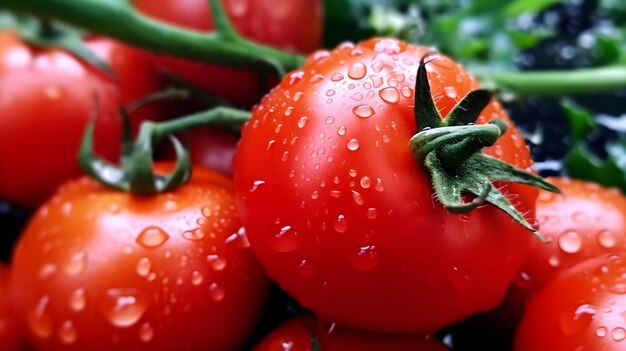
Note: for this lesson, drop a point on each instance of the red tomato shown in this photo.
(582, 309)
(296, 335)
(286, 24)
(97, 269)
(341, 214)
(46, 99)
(9, 334)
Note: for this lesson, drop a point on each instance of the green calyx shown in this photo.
(450, 149)
(135, 172)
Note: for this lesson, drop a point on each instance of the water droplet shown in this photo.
(340, 225)
(216, 293)
(68, 333)
(601, 332)
(363, 111)
(366, 258)
(47, 270)
(335, 193)
(216, 262)
(372, 213)
(341, 130)
(450, 92)
(379, 185)
(570, 241)
(77, 263)
(357, 197)
(316, 78)
(196, 278)
(53, 93)
(407, 92)
(287, 240)
(352, 145)
(298, 96)
(146, 332)
(336, 77)
(618, 288)
(195, 234)
(390, 95)
(618, 334)
(578, 321)
(459, 279)
(357, 70)
(554, 261)
(288, 111)
(78, 301)
(123, 307)
(306, 269)
(39, 319)
(606, 239)
(387, 46)
(357, 97)
(377, 80)
(238, 239)
(152, 237)
(256, 184)
(295, 77)
(302, 121)
(365, 182)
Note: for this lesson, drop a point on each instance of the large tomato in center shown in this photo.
(341, 214)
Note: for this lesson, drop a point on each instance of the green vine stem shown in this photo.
(118, 19)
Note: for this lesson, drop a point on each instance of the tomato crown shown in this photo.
(450, 149)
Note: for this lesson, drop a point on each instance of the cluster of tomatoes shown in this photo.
(328, 200)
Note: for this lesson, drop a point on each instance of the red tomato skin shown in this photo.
(286, 24)
(296, 334)
(10, 337)
(46, 100)
(97, 269)
(583, 308)
(342, 216)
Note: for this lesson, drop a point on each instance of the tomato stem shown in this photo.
(119, 20)
(135, 173)
(451, 150)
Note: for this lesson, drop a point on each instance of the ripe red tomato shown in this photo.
(286, 24)
(584, 222)
(9, 333)
(341, 214)
(581, 309)
(98, 268)
(46, 99)
(296, 335)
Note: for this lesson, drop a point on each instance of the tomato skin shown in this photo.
(297, 333)
(10, 337)
(46, 99)
(342, 216)
(581, 309)
(98, 268)
(285, 24)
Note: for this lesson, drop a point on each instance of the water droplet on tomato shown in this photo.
(554, 261)
(618, 334)
(53, 92)
(146, 332)
(306, 269)
(77, 263)
(216, 262)
(357, 197)
(39, 319)
(379, 185)
(570, 241)
(606, 239)
(216, 292)
(152, 237)
(316, 78)
(288, 111)
(302, 121)
(194, 234)
(352, 145)
(406, 92)
(340, 225)
(459, 279)
(576, 320)
(363, 111)
(196, 278)
(372, 213)
(366, 257)
(390, 95)
(341, 130)
(377, 80)
(123, 307)
(256, 185)
(330, 92)
(78, 301)
(239, 239)
(601, 332)
(287, 240)
(47, 270)
(68, 333)
(295, 77)
(387, 46)
(144, 266)
(357, 70)
(450, 91)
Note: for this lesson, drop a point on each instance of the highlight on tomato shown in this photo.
(334, 178)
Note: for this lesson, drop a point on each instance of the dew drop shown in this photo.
(330, 92)
(450, 92)
(340, 225)
(372, 213)
(365, 182)
(78, 301)
(256, 184)
(302, 121)
(39, 319)
(288, 111)
(68, 333)
(341, 130)
(146, 332)
(316, 78)
(459, 279)
(295, 77)
(366, 258)
(390, 95)
(287, 240)
(306, 269)
(377, 80)
(239, 239)
(379, 185)
(606, 239)
(77, 263)
(195, 234)
(216, 293)
(578, 321)
(123, 307)
(407, 92)
(47, 270)
(363, 111)
(570, 241)
(152, 237)
(352, 145)
(298, 96)
(196, 278)
(618, 334)
(357, 97)
(336, 77)
(357, 70)
(357, 197)
(330, 120)
(554, 261)
(601, 332)
(216, 262)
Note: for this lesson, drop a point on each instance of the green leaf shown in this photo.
(581, 121)
(527, 40)
(528, 7)
(582, 164)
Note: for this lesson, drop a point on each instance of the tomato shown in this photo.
(296, 335)
(46, 99)
(341, 214)
(581, 309)
(98, 268)
(585, 221)
(9, 333)
(286, 24)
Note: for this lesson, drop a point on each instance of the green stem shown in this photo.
(556, 83)
(119, 20)
(230, 117)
